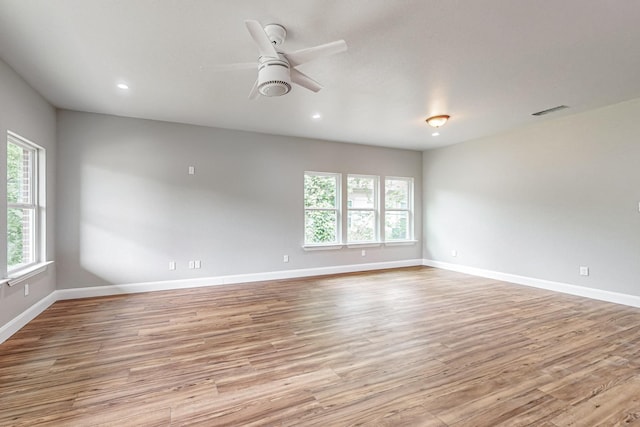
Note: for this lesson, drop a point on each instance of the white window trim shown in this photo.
(38, 195)
(411, 237)
(338, 209)
(375, 210)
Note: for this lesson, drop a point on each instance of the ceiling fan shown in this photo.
(277, 69)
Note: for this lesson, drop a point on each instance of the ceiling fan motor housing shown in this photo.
(274, 77)
(276, 33)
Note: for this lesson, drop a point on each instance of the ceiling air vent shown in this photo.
(550, 110)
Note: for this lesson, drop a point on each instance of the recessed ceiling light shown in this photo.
(435, 134)
(316, 116)
(122, 86)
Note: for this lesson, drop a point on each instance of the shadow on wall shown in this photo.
(132, 220)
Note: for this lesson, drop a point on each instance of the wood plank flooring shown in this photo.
(403, 347)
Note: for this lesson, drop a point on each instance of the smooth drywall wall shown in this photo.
(542, 201)
(127, 205)
(25, 112)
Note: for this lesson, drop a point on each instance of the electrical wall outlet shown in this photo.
(197, 264)
(285, 258)
(363, 253)
(454, 252)
(192, 264)
(172, 265)
(26, 290)
(192, 170)
(584, 271)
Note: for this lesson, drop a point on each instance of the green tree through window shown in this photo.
(15, 235)
(398, 208)
(321, 208)
(362, 208)
(22, 207)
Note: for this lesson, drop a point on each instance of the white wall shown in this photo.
(127, 205)
(541, 201)
(25, 112)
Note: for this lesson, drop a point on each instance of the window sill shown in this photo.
(364, 244)
(22, 275)
(335, 246)
(322, 247)
(400, 242)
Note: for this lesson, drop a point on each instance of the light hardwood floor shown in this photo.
(413, 346)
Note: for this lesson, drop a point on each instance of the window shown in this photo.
(362, 208)
(23, 243)
(398, 202)
(326, 225)
(321, 208)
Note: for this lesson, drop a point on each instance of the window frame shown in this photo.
(34, 205)
(337, 209)
(375, 209)
(409, 209)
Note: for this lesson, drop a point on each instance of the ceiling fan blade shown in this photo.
(265, 47)
(254, 91)
(305, 81)
(309, 54)
(231, 67)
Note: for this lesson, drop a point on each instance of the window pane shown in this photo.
(20, 237)
(320, 227)
(396, 226)
(396, 194)
(360, 192)
(320, 191)
(19, 170)
(361, 226)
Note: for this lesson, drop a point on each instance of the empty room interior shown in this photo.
(320, 213)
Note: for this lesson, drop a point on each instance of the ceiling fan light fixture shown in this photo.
(437, 121)
(274, 88)
(274, 78)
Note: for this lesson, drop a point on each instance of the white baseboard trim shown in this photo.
(132, 288)
(29, 314)
(98, 291)
(25, 317)
(15, 324)
(565, 288)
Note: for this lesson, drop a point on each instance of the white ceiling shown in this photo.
(489, 64)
